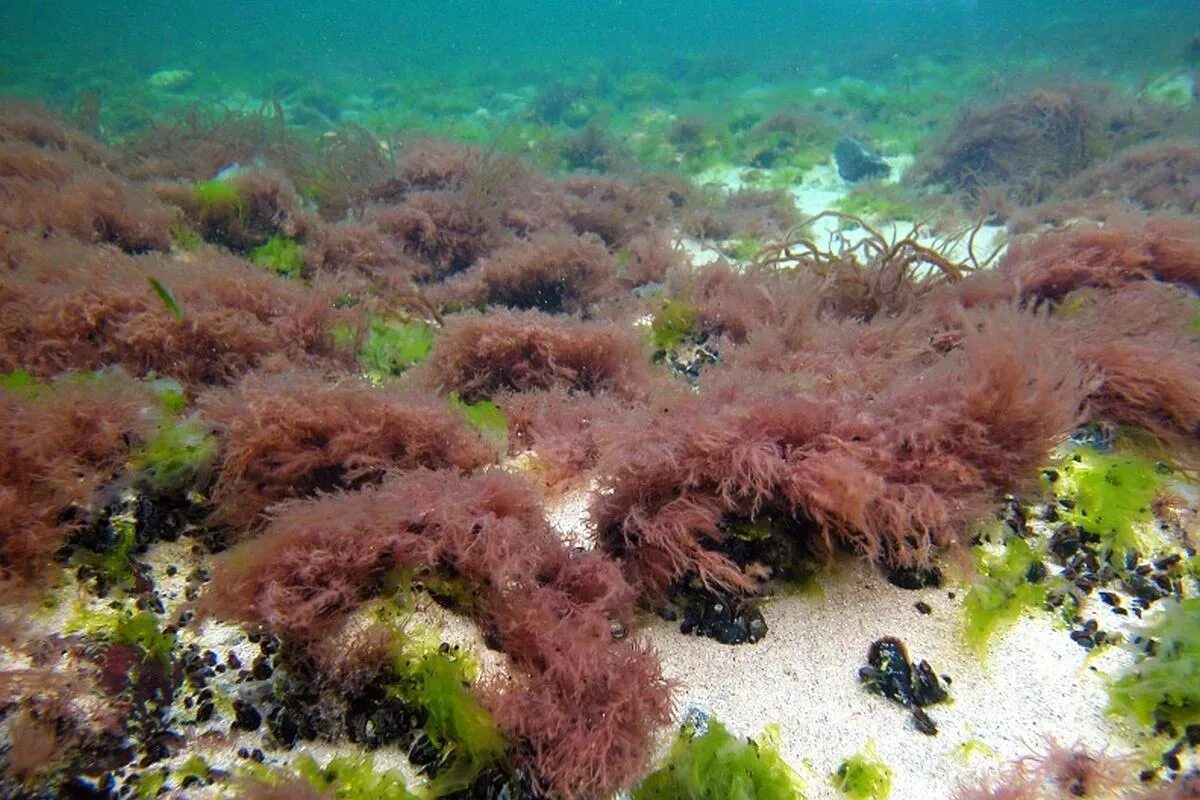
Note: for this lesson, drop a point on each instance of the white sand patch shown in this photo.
(804, 678)
(571, 520)
(820, 190)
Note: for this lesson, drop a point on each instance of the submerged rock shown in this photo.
(858, 162)
(170, 79)
(724, 618)
(890, 673)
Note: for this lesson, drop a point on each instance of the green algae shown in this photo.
(218, 198)
(184, 238)
(485, 417)
(169, 393)
(114, 566)
(674, 321)
(177, 453)
(195, 767)
(1111, 495)
(147, 785)
(138, 629)
(975, 748)
(1162, 685)
(438, 680)
(180, 450)
(1002, 590)
(281, 255)
(877, 202)
(744, 248)
(353, 778)
(864, 776)
(716, 765)
(17, 380)
(392, 346)
(168, 299)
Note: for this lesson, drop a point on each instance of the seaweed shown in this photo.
(897, 481)
(1112, 496)
(350, 778)
(391, 346)
(437, 680)
(51, 192)
(33, 748)
(481, 355)
(176, 456)
(554, 272)
(75, 307)
(167, 298)
(1157, 176)
(673, 322)
(441, 228)
(138, 629)
(485, 417)
(711, 763)
(550, 610)
(241, 212)
(196, 145)
(219, 199)
(1059, 771)
(1106, 257)
(1027, 145)
(281, 255)
(61, 443)
(1007, 584)
(1161, 685)
(293, 434)
(864, 776)
(348, 249)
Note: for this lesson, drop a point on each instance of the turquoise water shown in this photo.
(56, 50)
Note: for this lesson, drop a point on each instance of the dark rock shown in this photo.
(283, 726)
(915, 577)
(890, 673)
(245, 716)
(857, 162)
(725, 618)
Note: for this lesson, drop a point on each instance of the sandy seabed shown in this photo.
(1035, 683)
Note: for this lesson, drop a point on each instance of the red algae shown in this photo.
(877, 399)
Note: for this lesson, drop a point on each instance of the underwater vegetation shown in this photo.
(708, 762)
(1161, 687)
(283, 391)
(864, 776)
(1067, 771)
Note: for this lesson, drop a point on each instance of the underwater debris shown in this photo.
(889, 673)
